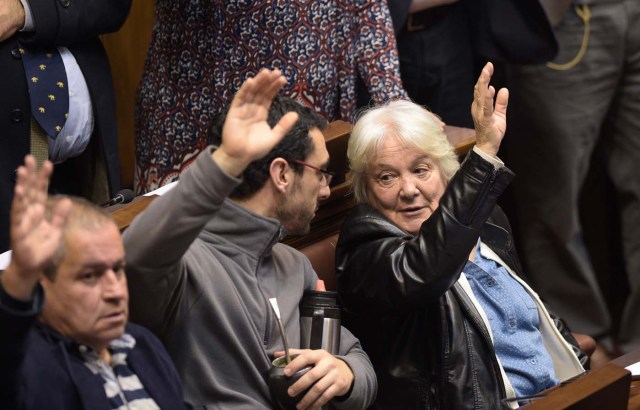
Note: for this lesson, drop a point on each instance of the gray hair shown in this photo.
(83, 215)
(411, 124)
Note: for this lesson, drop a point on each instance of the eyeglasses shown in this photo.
(328, 175)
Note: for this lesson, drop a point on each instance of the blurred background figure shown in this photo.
(443, 44)
(559, 113)
(201, 52)
(436, 56)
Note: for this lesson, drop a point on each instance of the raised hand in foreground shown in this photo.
(34, 239)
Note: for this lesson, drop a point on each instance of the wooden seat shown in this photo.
(321, 254)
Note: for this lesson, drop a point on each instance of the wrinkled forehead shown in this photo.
(392, 149)
(94, 245)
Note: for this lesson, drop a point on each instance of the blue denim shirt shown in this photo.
(514, 320)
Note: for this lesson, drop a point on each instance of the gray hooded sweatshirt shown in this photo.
(201, 269)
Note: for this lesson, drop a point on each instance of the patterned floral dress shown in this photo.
(202, 50)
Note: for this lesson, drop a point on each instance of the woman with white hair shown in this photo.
(428, 275)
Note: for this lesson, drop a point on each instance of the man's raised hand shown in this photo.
(246, 135)
(34, 239)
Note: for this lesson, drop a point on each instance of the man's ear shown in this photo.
(281, 174)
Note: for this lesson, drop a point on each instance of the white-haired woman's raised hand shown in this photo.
(489, 116)
(34, 238)
(246, 134)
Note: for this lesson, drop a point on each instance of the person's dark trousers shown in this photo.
(555, 121)
(437, 64)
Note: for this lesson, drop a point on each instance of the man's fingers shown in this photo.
(30, 195)
(37, 180)
(60, 213)
(24, 183)
(275, 83)
(315, 380)
(29, 180)
(259, 90)
(319, 393)
(284, 125)
(325, 380)
(264, 86)
(247, 91)
(322, 363)
(30, 162)
(45, 172)
(304, 358)
(41, 182)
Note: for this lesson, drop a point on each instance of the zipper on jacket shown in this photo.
(268, 309)
(270, 315)
(480, 199)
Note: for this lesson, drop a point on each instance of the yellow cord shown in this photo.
(585, 14)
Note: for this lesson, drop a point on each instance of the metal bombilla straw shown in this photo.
(274, 304)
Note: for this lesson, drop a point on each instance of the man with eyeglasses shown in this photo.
(207, 254)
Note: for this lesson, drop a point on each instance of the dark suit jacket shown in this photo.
(75, 24)
(42, 369)
(399, 10)
(514, 31)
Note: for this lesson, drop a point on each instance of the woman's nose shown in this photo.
(408, 188)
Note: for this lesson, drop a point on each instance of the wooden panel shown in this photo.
(124, 214)
(336, 135)
(634, 401)
(127, 50)
(634, 392)
(462, 139)
(605, 388)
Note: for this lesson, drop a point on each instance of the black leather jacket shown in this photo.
(427, 342)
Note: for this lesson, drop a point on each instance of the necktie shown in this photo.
(48, 90)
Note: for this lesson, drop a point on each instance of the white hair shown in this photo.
(406, 121)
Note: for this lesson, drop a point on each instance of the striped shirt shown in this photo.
(121, 385)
